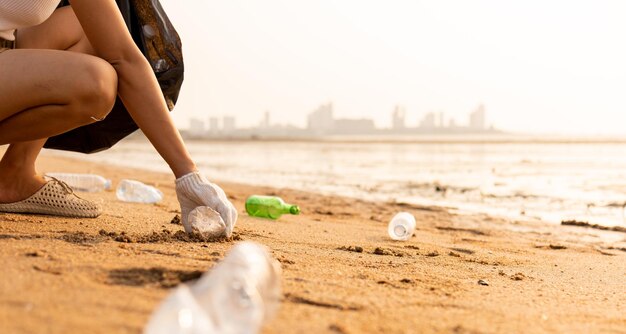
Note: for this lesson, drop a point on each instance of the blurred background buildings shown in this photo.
(322, 122)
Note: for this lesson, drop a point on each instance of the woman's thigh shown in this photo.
(61, 31)
(34, 78)
(31, 76)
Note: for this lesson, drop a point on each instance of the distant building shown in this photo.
(353, 126)
(440, 122)
(214, 125)
(477, 119)
(196, 127)
(229, 124)
(321, 120)
(428, 122)
(398, 118)
(265, 122)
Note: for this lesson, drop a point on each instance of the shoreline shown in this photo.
(457, 206)
(66, 276)
(427, 139)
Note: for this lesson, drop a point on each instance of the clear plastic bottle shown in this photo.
(206, 221)
(83, 182)
(180, 313)
(137, 192)
(238, 296)
(401, 226)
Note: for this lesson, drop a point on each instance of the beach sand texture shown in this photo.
(341, 272)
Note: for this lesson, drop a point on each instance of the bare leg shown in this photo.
(17, 168)
(63, 31)
(18, 163)
(139, 90)
(138, 87)
(46, 93)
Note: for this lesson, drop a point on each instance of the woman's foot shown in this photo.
(18, 176)
(15, 187)
(54, 198)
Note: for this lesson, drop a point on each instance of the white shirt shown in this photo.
(15, 14)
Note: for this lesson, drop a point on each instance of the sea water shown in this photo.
(551, 180)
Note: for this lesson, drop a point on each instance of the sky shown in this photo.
(549, 67)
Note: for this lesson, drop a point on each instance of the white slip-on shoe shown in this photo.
(55, 198)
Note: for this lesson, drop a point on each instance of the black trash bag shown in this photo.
(156, 37)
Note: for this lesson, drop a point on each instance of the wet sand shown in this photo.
(341, 272)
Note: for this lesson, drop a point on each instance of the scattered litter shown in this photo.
(483, 282)
(136, 192)
(239, 295)
(402, 226)
(271, 207)
(83, 182)
(208, 222)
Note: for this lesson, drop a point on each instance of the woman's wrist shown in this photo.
(180, 171)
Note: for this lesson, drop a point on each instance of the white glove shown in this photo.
(194, 190)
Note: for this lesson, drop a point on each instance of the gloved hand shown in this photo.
(194, 190)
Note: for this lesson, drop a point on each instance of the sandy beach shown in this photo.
(341, 272)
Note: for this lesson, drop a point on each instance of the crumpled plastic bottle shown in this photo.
(206, 221)
(402, 226)
(83, 182)
(137, 192)
(238, 296)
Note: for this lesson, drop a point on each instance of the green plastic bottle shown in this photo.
(271, 207)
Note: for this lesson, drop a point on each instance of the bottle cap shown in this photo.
(294, 210)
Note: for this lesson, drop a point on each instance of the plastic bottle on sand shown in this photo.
(83, 182)
(206, 221)
(137, 192)
(239, 295)
(401, 226)
(269, 207)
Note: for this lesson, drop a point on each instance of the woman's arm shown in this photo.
(139, 90)
(137, 85)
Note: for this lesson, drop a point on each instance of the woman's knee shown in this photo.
(96, 90)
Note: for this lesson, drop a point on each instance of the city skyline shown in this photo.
(534, 64)
(322, 121)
